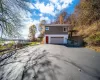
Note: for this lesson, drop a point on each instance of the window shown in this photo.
(47, 28)
(65, 29)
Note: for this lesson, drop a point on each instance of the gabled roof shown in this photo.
(57, 25)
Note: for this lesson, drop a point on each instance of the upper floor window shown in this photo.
(47, 28)
(65, 29)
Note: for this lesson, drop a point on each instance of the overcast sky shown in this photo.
(45, 10)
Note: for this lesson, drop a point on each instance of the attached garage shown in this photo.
(57, 40)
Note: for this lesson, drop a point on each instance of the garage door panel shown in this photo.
(57, 40)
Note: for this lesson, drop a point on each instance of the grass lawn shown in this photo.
(11, 44)
(6, 47)
(33, 43)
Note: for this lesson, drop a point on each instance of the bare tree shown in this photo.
(42, 27)
(32, 31)
(61, 17)
(10, 19)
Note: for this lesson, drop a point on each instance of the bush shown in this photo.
(93, 39)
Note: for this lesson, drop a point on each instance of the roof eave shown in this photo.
(57, 25)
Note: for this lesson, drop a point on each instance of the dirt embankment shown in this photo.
(91, 35)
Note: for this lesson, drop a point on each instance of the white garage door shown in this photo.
(57, 40)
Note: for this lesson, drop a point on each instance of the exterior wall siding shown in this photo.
(55, 30)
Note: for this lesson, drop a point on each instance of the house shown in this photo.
(56, 33)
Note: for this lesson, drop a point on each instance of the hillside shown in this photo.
(91, 35)
(86, 20)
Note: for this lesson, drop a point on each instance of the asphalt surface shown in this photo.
(51, 62)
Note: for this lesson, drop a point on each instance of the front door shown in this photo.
(46, 39)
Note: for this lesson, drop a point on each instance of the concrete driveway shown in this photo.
(51, 62)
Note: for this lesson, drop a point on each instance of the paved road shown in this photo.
(51, 62)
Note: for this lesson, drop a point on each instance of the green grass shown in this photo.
(2, 47)
(33, 43)
(11, 44)
(30, 44)
(5, 47)
(1, 53)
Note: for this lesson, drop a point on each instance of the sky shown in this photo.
(45, 10)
